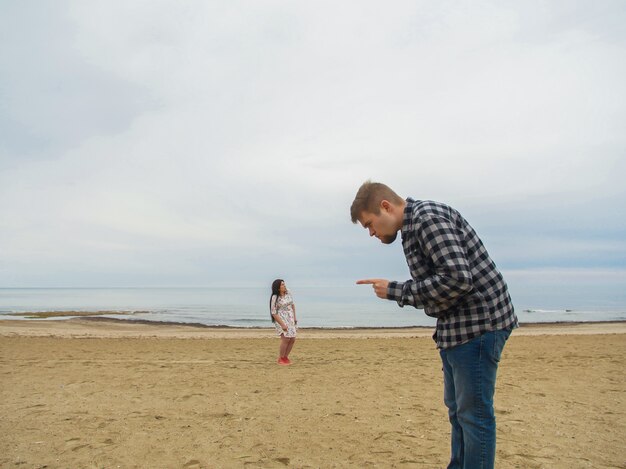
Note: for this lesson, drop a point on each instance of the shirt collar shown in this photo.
(407, 223)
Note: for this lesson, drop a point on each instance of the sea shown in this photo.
(317, 307)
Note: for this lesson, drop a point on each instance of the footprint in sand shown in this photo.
(193, 464)
(189, 396)
(79, 447)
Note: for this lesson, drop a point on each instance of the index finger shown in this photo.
(369, 281)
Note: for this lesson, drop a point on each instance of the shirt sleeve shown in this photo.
(450, 278)
(273, 304)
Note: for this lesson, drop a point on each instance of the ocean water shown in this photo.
(350, 306)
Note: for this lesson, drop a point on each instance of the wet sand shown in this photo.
(82, 393)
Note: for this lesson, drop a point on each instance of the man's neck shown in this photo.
(400, 215)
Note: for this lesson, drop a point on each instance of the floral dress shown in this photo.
(283, 307)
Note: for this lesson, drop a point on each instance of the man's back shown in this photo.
(454, 278)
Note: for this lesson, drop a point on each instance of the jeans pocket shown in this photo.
(499, 339)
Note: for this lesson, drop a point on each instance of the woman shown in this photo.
(283, 312)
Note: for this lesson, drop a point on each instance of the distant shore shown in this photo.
(98, 326)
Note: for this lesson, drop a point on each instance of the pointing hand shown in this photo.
(379, 284)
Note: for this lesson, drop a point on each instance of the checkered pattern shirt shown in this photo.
(454, 279)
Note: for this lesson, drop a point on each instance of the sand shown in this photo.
(87, 394)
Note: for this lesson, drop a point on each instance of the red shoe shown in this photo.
(284, 361)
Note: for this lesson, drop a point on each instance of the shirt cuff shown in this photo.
(394, 292)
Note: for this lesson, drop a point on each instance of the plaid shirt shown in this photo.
(454, 279)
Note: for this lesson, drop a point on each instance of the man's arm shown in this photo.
(451, 279)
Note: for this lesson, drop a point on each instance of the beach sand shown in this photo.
(91, 394)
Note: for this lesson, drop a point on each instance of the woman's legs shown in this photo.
(292, 340)
(284, 345)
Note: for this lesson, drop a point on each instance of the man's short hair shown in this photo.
(369, 197)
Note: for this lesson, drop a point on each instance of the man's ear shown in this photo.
(386, 206)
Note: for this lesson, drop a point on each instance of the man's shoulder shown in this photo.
(422, 214)
(430, 208)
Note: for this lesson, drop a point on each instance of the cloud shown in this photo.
(52, 97)
(196, 142)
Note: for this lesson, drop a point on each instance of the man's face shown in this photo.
(384, 225)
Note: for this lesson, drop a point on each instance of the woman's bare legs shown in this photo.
(292, 341)
(284, 345)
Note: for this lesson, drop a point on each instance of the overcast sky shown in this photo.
(153, 143)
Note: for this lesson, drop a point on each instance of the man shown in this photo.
(454, 280)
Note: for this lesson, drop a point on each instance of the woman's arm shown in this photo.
(277, 318)
(274, 313)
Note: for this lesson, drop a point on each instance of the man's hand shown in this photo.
(379, 284)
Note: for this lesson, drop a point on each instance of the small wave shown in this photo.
(259, 321)
(548, 311)
(162, 323)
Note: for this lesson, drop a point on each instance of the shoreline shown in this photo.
(101, 327)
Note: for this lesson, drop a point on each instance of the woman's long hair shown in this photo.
(275, 292)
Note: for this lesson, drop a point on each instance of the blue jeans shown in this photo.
(469, 378)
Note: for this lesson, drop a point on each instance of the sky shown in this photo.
(198, 143)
